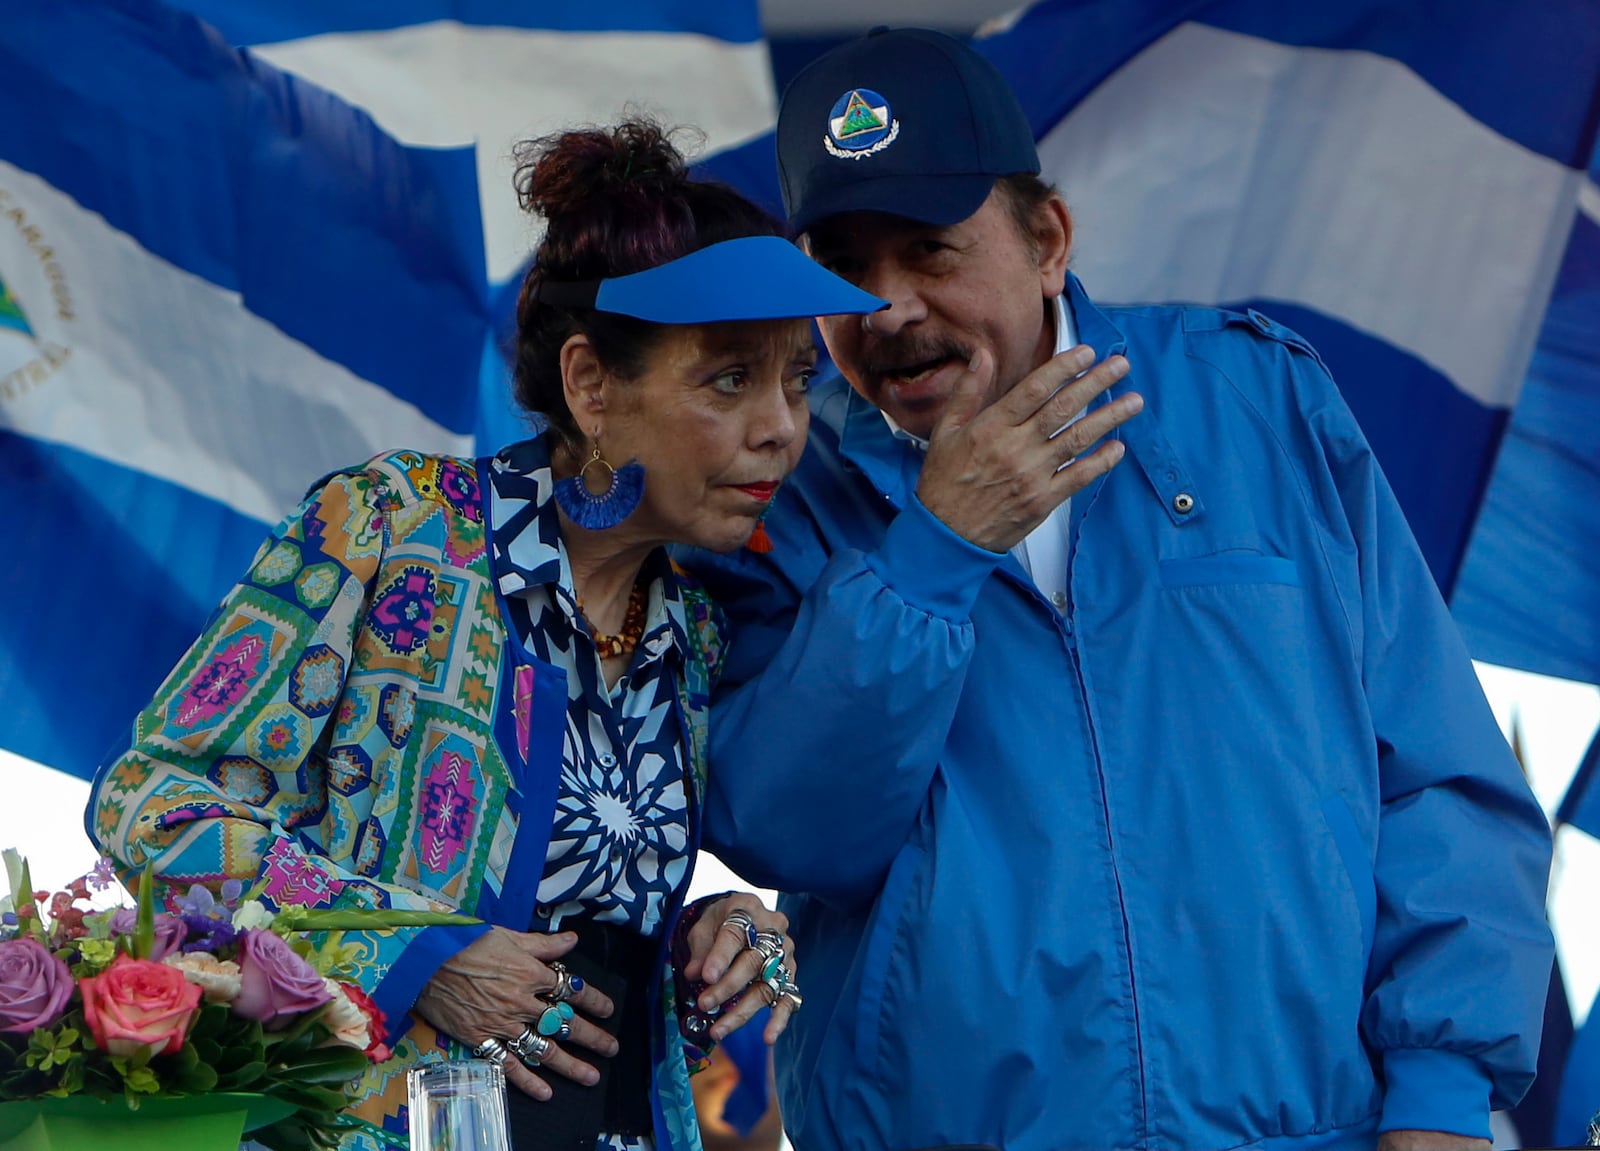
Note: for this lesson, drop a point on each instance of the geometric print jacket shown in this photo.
(353, 729)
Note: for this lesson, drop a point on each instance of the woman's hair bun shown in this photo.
(581, 171)
(616, 201)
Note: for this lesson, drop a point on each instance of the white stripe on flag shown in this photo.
(149, 366)
(1218, 166)
(446, 85)
(1589, 200)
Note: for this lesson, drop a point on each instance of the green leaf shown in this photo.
(309, 1097)
(241, 1078)
(293, 920)
(328, 1065)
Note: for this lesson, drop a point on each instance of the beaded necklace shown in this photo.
(610, 646)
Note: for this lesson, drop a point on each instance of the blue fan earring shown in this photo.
(610, 507)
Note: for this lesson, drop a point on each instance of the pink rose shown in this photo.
(137, 1004)
(34, 986)
(275, 984)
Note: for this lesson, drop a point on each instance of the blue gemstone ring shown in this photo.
(740, 923)
(567, 984)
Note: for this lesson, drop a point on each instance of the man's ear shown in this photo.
(1052, 232)
(582, 380)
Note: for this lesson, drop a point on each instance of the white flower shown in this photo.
(251, 915)
(347, 1021)
(218, 979)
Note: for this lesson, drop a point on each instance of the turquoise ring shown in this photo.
(555, 1021)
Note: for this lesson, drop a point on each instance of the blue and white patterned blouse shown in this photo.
(619, 847)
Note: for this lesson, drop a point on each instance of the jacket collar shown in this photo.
(893, 465)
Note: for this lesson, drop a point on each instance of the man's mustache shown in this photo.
(893, 354)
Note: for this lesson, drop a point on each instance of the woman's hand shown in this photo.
(487, 991)
(719, 955)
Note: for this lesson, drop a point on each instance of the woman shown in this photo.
(481, 684)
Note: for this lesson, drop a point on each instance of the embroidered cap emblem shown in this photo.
(860, 125)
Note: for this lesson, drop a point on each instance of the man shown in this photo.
(1134, 796)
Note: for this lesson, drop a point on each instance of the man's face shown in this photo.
(952, 291)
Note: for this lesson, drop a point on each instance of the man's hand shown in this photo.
(1430, 1141)
(994, 474)
(488, 991)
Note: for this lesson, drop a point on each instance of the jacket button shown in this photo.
(1183, 503)
(1060, 600)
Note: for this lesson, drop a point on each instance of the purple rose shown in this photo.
(275, 984)
(34, 986)
(171, 931)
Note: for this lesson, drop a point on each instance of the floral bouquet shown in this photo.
(211, 996)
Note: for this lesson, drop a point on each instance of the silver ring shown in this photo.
(792, 994)
(567, 984)
(491, 1048)
(739, 922)
(768, 944)
(530, 1048)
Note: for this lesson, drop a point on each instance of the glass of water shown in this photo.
(458, 1105)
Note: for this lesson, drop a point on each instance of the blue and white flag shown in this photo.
(221, 281)
(1396, 181)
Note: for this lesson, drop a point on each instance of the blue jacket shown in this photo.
(1231, 852)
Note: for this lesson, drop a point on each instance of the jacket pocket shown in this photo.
(1347, 838)
(880, 948)
(1220, 569)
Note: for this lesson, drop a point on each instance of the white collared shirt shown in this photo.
(1043, 553)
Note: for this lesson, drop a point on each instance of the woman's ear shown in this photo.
(582, 380)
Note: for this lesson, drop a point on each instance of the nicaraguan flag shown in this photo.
(228, 272)
(1396, 181)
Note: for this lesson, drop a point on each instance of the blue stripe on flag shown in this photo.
(260, 183)
(1581, 805)
(1529, 592)
(108, 574)
(272, 21)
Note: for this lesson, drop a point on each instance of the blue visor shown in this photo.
(753, 278)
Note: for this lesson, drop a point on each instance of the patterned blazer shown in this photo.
(353, 728)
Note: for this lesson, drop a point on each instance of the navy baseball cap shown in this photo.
(906, 121)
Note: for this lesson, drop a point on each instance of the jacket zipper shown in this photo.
(1071, 628)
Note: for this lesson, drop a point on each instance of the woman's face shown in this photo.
(718, 419)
